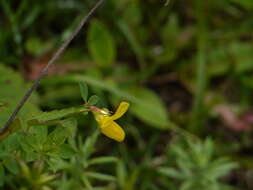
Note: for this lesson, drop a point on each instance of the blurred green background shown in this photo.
(186, 67)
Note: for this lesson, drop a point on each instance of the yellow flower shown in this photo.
(107, 124)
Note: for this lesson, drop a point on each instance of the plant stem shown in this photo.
(44, 72)
(197, 111)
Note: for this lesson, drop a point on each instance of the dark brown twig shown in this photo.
(43, 73)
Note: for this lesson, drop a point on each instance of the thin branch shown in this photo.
(44, 72)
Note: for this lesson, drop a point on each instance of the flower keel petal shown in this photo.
(113, 131)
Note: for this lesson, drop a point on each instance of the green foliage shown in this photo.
(78, 172)
(242, 56)
(12, 89)
(33, 177)
(176, 65)
(37, 47)
(51, 117)
(197, 168)
(30, 139)
(245, 3)
(84, 91)
(93, 100)
(101, 44)
(171, 40)
(134, 43)
(150, 109)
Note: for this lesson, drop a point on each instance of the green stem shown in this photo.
(197, 111)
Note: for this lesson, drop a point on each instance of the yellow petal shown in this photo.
(123, 107)
(112, 130)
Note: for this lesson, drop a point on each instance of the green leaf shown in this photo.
(151, 109)
(93, 100)
(170, 172)
(87, 182)
(101, 44)
(170, 34)
(121, 174)
(53, 117)
(11, 143)
(88, 147)
(100, 176)
(102, 160)
(70, 126)
(57, 137)
(187, 185)
(133, 178)
(57, 163)
(84, 91)
(66, 151)
(224, 167)
(12, 165)
(33, 140)
(65, 129)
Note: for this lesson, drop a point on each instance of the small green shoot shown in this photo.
(93, 100)
(84, 91)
